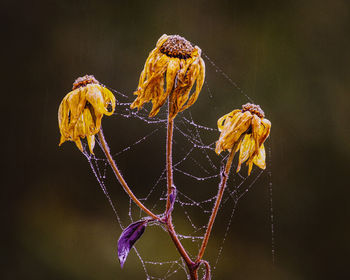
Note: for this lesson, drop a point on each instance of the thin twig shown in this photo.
(120, 178)
(178, 244)
(222, 187)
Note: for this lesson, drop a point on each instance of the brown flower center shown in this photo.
(85, 80)
(177, 46)
(254, 109)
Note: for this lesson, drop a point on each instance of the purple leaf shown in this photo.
(128, 238)
(172, 198)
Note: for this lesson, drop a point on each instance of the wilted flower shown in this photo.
(81, 111)
(171, 69)
(247, 130)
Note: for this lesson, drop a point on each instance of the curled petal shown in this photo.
(78, 144)
(185, 82)
(246, 149)
(161, 40)
(222, 121)
(81, 111)
(259, 159)
(250, 167)
(76, 101)
(239, 126)
(95, 97)
(79, 131)
(91, 143)
(63, 116)
(236, 123)
(146, 91)
(109, 100)
(90, 128)
(171, 73)
(249, 124)
(256, 121)
(62, 140)
(265, 131)
(173, 63)
(199, 84)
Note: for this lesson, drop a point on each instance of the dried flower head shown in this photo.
(171, 70)
(81, 111)
(246, 130)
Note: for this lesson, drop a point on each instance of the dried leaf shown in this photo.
(128, 238)
(172, 198)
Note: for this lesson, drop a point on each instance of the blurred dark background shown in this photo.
(291, 57)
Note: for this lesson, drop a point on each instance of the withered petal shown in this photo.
(199, 78)
(77, 120)
(91, 143)
(259, 159)
(246, 149)
(256, 121)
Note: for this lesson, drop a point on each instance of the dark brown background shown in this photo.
(290, 57)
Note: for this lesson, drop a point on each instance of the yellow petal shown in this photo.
(63, 115)
(180, 95)
(250, 167)
(246, 149)
(62, 140)
(242, 123)
(199, 84)
(95, 97)
(109, 99)
(147, 90)
(79, 129)
(76, 101)
(235, 127)
(256, 121)
(222, 121)
(91, 143)
(259, 159)
(90, 128)
(218, 147)
(79, 145)
(161, 40)
(265, 131)
(171, 73)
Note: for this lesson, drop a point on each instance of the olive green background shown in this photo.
(291, 57)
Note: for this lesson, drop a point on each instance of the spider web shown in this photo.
(195, 164)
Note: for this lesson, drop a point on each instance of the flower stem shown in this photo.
(222, 187)
(178, 244)
(169, 159)
(167, 217)
(207, 275)
(120, 178)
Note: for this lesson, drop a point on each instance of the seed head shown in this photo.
(83, 81)
(254, 109)
(177, 46)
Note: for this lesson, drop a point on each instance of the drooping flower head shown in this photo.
(171, 70)
(246, 130)
(81, 111)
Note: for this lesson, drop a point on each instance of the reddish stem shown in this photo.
(169, 160)
(120, 178)
(222, 187)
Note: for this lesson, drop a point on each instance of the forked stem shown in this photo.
(120, 178)
(222, 187)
